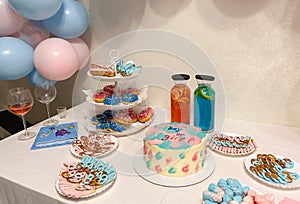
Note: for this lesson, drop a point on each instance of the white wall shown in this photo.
(255, 46)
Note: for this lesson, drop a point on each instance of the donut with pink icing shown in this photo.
(123, 118)
(145, 115)
(100, 96)
(130, 90)
(109, 89)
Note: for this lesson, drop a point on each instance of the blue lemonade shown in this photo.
(204, 104)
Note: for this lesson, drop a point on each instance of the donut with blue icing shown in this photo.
(112, 100)
(116, 127)
(129, 98)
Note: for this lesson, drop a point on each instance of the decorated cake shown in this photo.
(174, 149)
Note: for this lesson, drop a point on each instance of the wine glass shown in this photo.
(45, 92)
(20, 102)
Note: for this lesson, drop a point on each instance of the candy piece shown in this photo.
(265, 199)
(214, 188)
(222, 184)
(238, 198)
(208, 195)
(227, 198)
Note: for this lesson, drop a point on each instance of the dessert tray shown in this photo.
(231, 144)
(274, 170)
(120, 122)
(97, 145)
(141, 169)
(143, 92)
(133, 128)
(86, 178)
(116, 78)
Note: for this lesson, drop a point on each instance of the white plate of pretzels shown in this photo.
(274, 170)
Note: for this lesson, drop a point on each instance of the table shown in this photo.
(28, 176)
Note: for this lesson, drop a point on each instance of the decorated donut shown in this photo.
(108, 114)
(145, 115)
(129, 98)
(134, 117)
(102, 126)
(123, 119)
(109, 89)
(112, 100)
(116, 127)
(130, 90)
(99, 97)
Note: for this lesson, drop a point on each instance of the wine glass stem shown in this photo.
(48, 112)
(24, 124)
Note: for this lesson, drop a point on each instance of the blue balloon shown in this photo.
(71, 20)
(16, 58)
(36, 9)
(35, 78)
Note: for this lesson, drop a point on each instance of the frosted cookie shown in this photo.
(85, 178)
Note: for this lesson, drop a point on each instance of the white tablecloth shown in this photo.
(28, 176)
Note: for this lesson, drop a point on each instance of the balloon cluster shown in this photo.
(41, 40)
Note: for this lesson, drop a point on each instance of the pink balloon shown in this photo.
(33, 32)
(56, 59)
(82, 51)
(10, 21)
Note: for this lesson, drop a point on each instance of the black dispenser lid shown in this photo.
(205, 77)
(182, 77)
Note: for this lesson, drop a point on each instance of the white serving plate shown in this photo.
(228, 153)
(112, 148)
(296, 169)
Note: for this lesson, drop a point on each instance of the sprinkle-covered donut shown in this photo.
(123, 119)
(108, 114)
(130, 90)
(145, 115)
(116, 127)
(100, 96)
(109, 89)
(134, 117)
(129, 98)
(112, 100)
